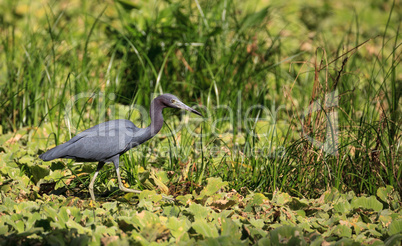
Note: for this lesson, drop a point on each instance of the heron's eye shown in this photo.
(172, 100)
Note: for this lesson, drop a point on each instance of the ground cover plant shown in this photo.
(300, 143)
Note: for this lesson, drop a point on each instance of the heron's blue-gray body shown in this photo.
(107, 141)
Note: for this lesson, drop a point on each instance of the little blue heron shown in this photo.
(107, 141)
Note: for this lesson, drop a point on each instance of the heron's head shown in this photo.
(172, 101)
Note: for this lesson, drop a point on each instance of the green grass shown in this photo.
(252, 68)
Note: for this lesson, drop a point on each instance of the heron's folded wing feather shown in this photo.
(98, 143)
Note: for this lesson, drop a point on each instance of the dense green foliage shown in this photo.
(211, 217)
(299, 99)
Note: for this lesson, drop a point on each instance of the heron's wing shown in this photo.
(98, 143)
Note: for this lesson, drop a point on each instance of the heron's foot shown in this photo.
(122, 188)
(167, 198)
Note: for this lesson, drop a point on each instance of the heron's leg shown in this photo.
(121, 186)
(91, 185)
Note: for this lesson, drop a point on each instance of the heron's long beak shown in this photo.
(185, 107)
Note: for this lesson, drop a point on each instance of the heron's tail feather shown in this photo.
(51, 154)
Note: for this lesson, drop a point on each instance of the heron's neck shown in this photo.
(156, 118)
